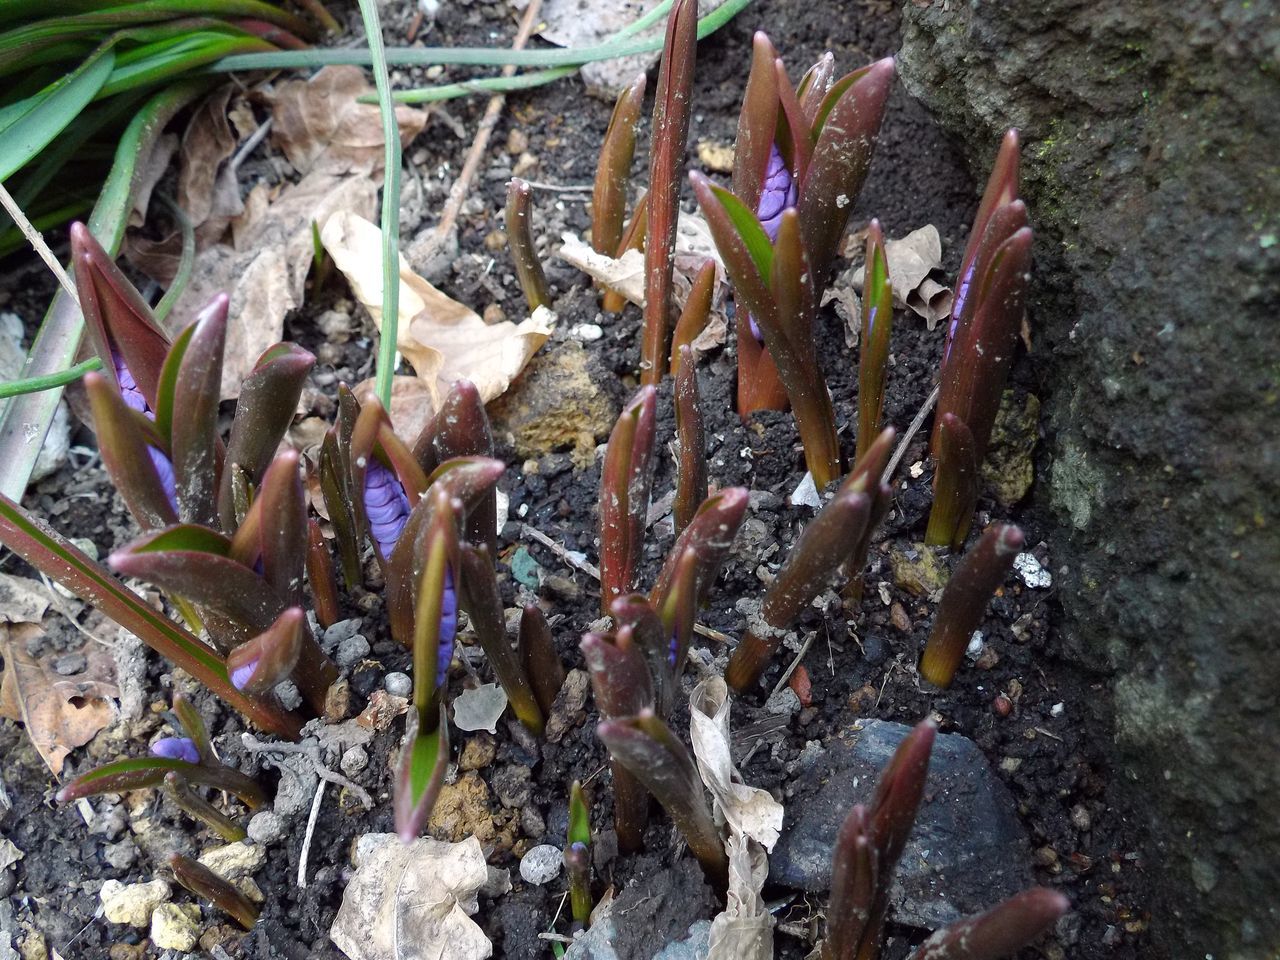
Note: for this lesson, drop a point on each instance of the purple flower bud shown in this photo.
(386, 504)
(777, 195)
(671, 651)
(242, 674)
(134, 400)
(176, 748)
(448, 628)
(133, 397)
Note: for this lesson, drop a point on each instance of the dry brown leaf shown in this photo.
(151, 170)
(445, 340)
(320, 126)
(744, 929)
(748, 810)
(208, 190)
(22, 600)
(412, 901)
(911, 259)
(625, 275)
(266, 271)
(59, 712)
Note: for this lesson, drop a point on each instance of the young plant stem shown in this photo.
(1000, 932)
(877, 324)
(671, 113)
(523, 252)
(390, 218)
(693, 318)
(613, 170)
(955, 484)
(198, 808)
(646, 747)
(206, 884)
(322, 577)
(624, 496)
(691, 444)
(964, 600)
(14, 388)
(538, 657)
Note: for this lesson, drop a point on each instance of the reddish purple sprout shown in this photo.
(386, 504)
(176, 748)
(134, 400)
(778, 194)
(448, 628)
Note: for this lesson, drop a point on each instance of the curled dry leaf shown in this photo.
(60, 711)
(744, 929)
(412, 901)
(321, 127)
(911, 260)
(748, 810)
(444, 340)
(623, 275)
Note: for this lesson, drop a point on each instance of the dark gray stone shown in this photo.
(967, 850)
(1150, 144)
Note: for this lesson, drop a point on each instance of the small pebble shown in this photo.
(353, 761)
(541, 864)
(266, 827)
(288, 694)
(398, 684)
(1002, 705)
(1058, 709)
(69, 665)
(352, 650)
(975, 646)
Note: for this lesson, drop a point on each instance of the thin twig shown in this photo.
(561, 187)
(462, 185)
(311, 749)
(37, 242)
(912, 430)
(786, 674)
(250, 145)
(560, 551)
(311, 829)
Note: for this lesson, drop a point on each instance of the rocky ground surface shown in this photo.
(1021, 790)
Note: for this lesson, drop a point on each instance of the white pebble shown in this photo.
(587, 332)
(541, 864)
(975, 645)
(398, 684)
(1057, 710)
(1032, 573)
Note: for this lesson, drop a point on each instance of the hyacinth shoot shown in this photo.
(134, 400)
(176, 748)
(386, 504)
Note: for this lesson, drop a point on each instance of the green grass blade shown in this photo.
(474, 56)
(16, 387)
(185, 263)
(28, 126)
(390, 204)
(166, 59)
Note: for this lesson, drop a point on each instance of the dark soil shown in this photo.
(1053, 764)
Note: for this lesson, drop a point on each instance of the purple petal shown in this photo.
(176, 748)
(671, 651)
(755, 329)
(133, 397)
(134, 400)
(778, 194)
(386, 505)
(448, 628)
(242, 674)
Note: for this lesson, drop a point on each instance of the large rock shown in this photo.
(1150, 146)
(967, 850)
